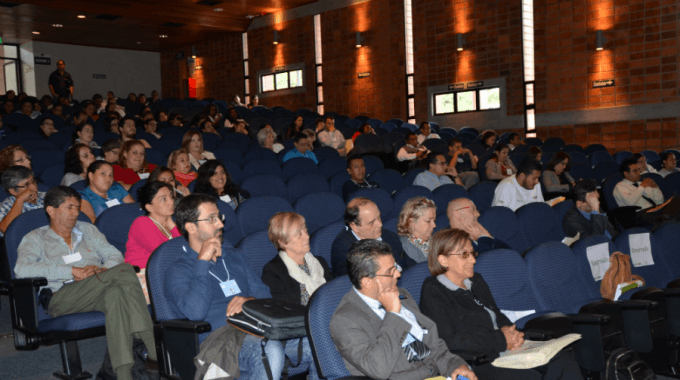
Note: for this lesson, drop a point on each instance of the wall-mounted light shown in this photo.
(276, 38)
(460, 41)
(600, 40)
(360, 40)
(194, 52)
(199, 67)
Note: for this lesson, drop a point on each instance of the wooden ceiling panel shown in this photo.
(140, 24)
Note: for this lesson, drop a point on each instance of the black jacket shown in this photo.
(574, 223)
(464, 325)
(284, 287)
(485, 243)
(344, 241)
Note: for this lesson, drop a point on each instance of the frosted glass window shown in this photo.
(490, 99)
(281, 81)
(296, 78)
(268, 83)
(443, 103)
(9, 51)
(466, 101)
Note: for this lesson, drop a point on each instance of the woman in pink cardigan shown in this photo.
(152, 229)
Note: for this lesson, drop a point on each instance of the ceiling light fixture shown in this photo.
(163, 36)
(81, 16)
(218, 9)
(57, 25)
(35, 32)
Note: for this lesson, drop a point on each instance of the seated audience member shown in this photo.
(151, 127)
(175, 120)
(14, 155)
(500, 166)
(632, 192)
(332, 137)
(132, 165)
(102, 191)
(556, 178)
(89, 111)
(98, 103)
(231, 117)
(379, 334)
(295, 128)
(214, 179)
(142, 99)
(196, 294)
(241, 127)
(669, 162)
(642, 163)
(535, 153)
(192, 142)
(78, 117)
(84, 134)
(364, 129)
(155, 227)
(47, 127)
(46, 102)
(28, 110)
(294, 274)
(303, 148)
(311, 135)
(515, 140)
(102, 281)
(465, 163)
(79, 157)
(437, 173)
(111, 122)
(522, 188)
(254, 102)
(206, 126)
(127, 128)
(132, 97)
(166, 175)
(586, 216)
(463, 215)
(468, 319)
(179, 162)
(266, 138)
(161, 116)
(197, 120)
(22, 187)
(154, 96)
(362, 221)
(488, 139)
(319, 125)
(415, 226)
(236, 101)
(425, 132)
(212, 113)
(3, 132)
(412, 151)
(357, 177)
(8, 107)
(111, 151)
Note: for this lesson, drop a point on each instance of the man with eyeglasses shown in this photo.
(438, 173)
(379, 329)
(462, 214)
(303, 148)
(85, 273)
(211, 280)
(20, 184)
(632, 192)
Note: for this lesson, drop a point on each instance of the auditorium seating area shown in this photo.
(539, 275)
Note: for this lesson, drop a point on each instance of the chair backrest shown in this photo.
(262, 166)
(135, 187)
(388, 179)
(579, 157)
(481, 165)
(231, 229)
(233, 156)
(115, 223)
(445, 194)
(259, 153)
(407, 192)
(572, 148)
(380, 197)
(298, 165)
(655, 273)
(651, 155)
(503, 224)
(622, 155)
(605, 169)
(322, 240)
(608, 190)
(160, 260)
(324, 152)
(259, 185)
(561, 209)
(258, 249)
(41, 159)
(369, 141)
(583, 262)
(581, 171)
(594, 148)
(306, 183)
(52, 175)
(411, 175)
(333, 165)
(539, 223)
(554, 141)
(22, 225)
(320, 209)
(372, 164)
(482, 195)
(673, 183)
(412, 279)
(337, 181)
(253, 215)
(322, 306)
(600, 156)
(668, 237)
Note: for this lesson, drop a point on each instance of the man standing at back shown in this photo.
(520, 189)
(60, 82)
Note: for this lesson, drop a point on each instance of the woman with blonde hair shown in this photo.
(193, 143)
(415, 226)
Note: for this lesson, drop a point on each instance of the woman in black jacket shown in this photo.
(460, 302)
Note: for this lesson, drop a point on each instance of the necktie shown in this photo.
(415, 351)
(648, 199)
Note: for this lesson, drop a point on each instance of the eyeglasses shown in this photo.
(396, 267)
(465, 255)
(442, 163)
(212, 219)
(29, 183)
(22, 159)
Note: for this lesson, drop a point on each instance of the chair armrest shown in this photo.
(671, 291)
(24, 302)
(4, 288)
(638, 305)
(539, 335)
(590, 319)
(674, 284)
(185, 325)
(30, 281)
(473, 358)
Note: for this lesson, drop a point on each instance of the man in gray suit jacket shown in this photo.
(378, 328)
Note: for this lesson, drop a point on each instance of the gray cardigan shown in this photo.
(551, 182)
(412, 251)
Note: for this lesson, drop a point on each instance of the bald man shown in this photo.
(463, 215)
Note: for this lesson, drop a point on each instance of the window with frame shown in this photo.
(281, 80)
(482, 99)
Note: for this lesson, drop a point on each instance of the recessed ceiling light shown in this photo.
(57, 25)
(218, 9)
(139, 43)
(34, 32)
(81, 16)
(163, 36)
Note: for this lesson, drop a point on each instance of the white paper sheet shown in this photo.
(598, 258)
(514, 315)
(640, 250)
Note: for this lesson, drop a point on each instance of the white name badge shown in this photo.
(72, 258)
(144, 175)
(509, 171)
(225, 198)
(112, 202)
(598, 258)
(460, 160)
(640, 250)
(230, 288)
